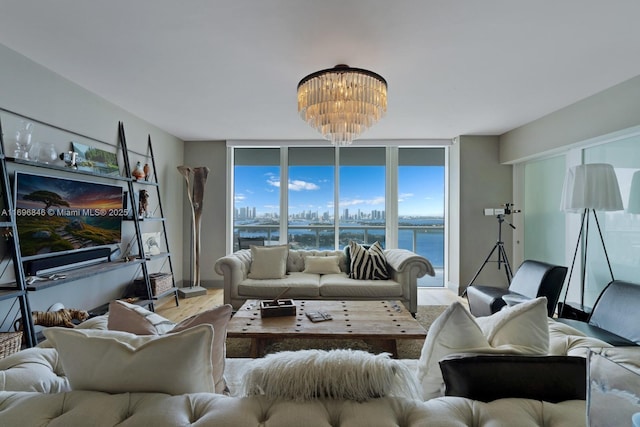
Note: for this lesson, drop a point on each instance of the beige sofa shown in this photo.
(405, 267)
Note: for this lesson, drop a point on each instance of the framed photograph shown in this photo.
(95, 160)
(151, 243)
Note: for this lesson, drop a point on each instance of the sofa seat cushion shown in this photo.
(340, 285)
(302, 285)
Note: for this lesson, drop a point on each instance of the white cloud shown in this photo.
(298, 185)
(374, 201)
(295, 185)
(403, 197)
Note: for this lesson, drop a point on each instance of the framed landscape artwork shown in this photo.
(95, 160)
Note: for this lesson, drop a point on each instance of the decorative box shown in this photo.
(277, 308)
(160, 283)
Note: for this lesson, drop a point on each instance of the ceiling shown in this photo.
(228, 69)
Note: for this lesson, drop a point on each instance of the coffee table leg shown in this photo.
(257, 347)
(388, 346)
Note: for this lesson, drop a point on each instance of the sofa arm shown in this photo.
(402, 260)
(33, 369)
(234, 269)
(406, 267)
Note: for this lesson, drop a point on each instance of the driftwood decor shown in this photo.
(195, 179)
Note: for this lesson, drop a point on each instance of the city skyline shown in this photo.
(362, 188)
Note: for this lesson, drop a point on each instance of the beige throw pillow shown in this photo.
(137, 320)
(322, 264)
(521, 329)
(268, 262)
(120, 362)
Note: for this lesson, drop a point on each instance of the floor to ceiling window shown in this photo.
(421, 201)
(311, 203)
(362, 195)
(256, 198)
(393, 195)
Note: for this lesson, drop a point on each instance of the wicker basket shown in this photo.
(160, 283)
(10, 342)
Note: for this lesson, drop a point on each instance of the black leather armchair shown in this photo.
(615, 318)
(533, 279)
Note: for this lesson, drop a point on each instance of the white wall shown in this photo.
(477, 181)
(608, 111)
(213, 244)
(32, 90)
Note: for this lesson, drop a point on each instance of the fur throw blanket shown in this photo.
(334, 374)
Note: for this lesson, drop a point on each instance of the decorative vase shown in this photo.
(147, 171)
(23, 140)
(138, 171)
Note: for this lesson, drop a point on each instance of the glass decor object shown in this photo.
(46, 153)
(342, 102)
(23, 140)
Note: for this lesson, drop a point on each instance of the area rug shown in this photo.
(407, 349)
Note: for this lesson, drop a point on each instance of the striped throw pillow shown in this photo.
(367, 264)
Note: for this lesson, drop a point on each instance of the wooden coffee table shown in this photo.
(380, 322)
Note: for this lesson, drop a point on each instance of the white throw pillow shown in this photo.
(335, 374)
(521, 329)
(268, 262)
(120, 362)
(322, 264)
(137, 320)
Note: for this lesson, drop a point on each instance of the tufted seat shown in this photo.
(81, 408)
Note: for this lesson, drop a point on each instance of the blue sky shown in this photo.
(421, 189)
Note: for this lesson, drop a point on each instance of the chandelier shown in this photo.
(342, 102)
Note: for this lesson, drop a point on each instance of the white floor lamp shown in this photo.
(589, 188)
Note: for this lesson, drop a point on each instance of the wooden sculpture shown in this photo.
(195, 192)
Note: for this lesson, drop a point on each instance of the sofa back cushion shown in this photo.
(296, 259)
(616, 310)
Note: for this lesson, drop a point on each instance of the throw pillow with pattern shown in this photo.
(367, 264)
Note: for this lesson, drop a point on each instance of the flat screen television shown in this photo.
(59, 215)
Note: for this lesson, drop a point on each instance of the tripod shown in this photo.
(502, 254)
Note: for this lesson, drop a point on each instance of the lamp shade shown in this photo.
(591, 186)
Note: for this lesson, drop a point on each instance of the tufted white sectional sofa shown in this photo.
(34, 391)
(405, 267)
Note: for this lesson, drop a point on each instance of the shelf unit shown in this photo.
(138, 218)
(18, 289)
